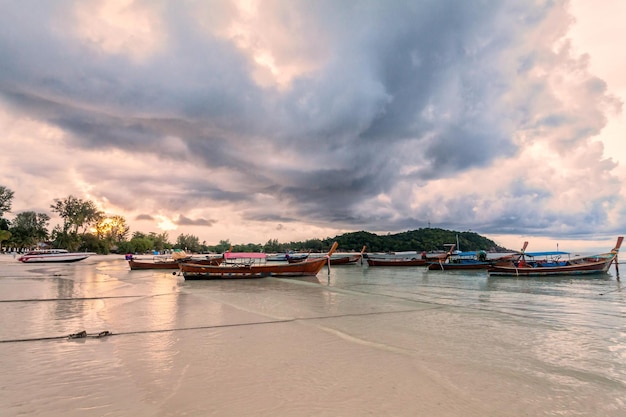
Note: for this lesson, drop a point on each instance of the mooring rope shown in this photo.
(84, 334)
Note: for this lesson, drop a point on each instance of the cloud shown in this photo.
(144, 217)
(185, 221)
(319, 117)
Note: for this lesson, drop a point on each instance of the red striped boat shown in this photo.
(252, 265)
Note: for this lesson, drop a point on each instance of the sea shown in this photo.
(352, 341)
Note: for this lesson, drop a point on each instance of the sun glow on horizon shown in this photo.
(164, 223)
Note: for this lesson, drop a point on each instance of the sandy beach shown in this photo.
(355, 342)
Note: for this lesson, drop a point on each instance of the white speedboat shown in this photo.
(53, 255)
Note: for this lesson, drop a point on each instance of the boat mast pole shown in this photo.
(616, 250)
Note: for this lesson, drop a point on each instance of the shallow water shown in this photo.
(358, 341)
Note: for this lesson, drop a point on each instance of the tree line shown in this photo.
(85, 228)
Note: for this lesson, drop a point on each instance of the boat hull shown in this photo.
(135, 264)
(344, 260)
(297, 259)
(587, 266)
(399, 262)
(309, 267)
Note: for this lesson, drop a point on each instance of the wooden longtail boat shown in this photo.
(404, 261)
(470, 261)
(397, 262)
(460, 263)
(347, 259)
(528, 266)
(336, 259)
(296, 257)
(140, 264)
(309, 267)
(286, 257)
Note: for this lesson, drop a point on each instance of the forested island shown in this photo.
(426, 239)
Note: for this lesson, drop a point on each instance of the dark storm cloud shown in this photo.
(186, 221)
(144, 217)
(407, 92)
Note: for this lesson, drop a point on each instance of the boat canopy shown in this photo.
(244, 255)
(468, 253)
(549, 253)
(179, 254)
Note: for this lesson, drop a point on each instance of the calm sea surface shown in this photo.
(356, 342)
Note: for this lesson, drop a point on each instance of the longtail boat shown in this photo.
(286, 257)
(141, 264)
(462, 261)
(397, 262)
(252, 265)
(336, 259)
(423, 260)
(536, 264)
(347, 259)
(470, 261)
(296, 257)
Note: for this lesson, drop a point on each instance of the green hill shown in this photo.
(428, 239)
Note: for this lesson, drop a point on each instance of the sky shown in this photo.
(250, 120)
